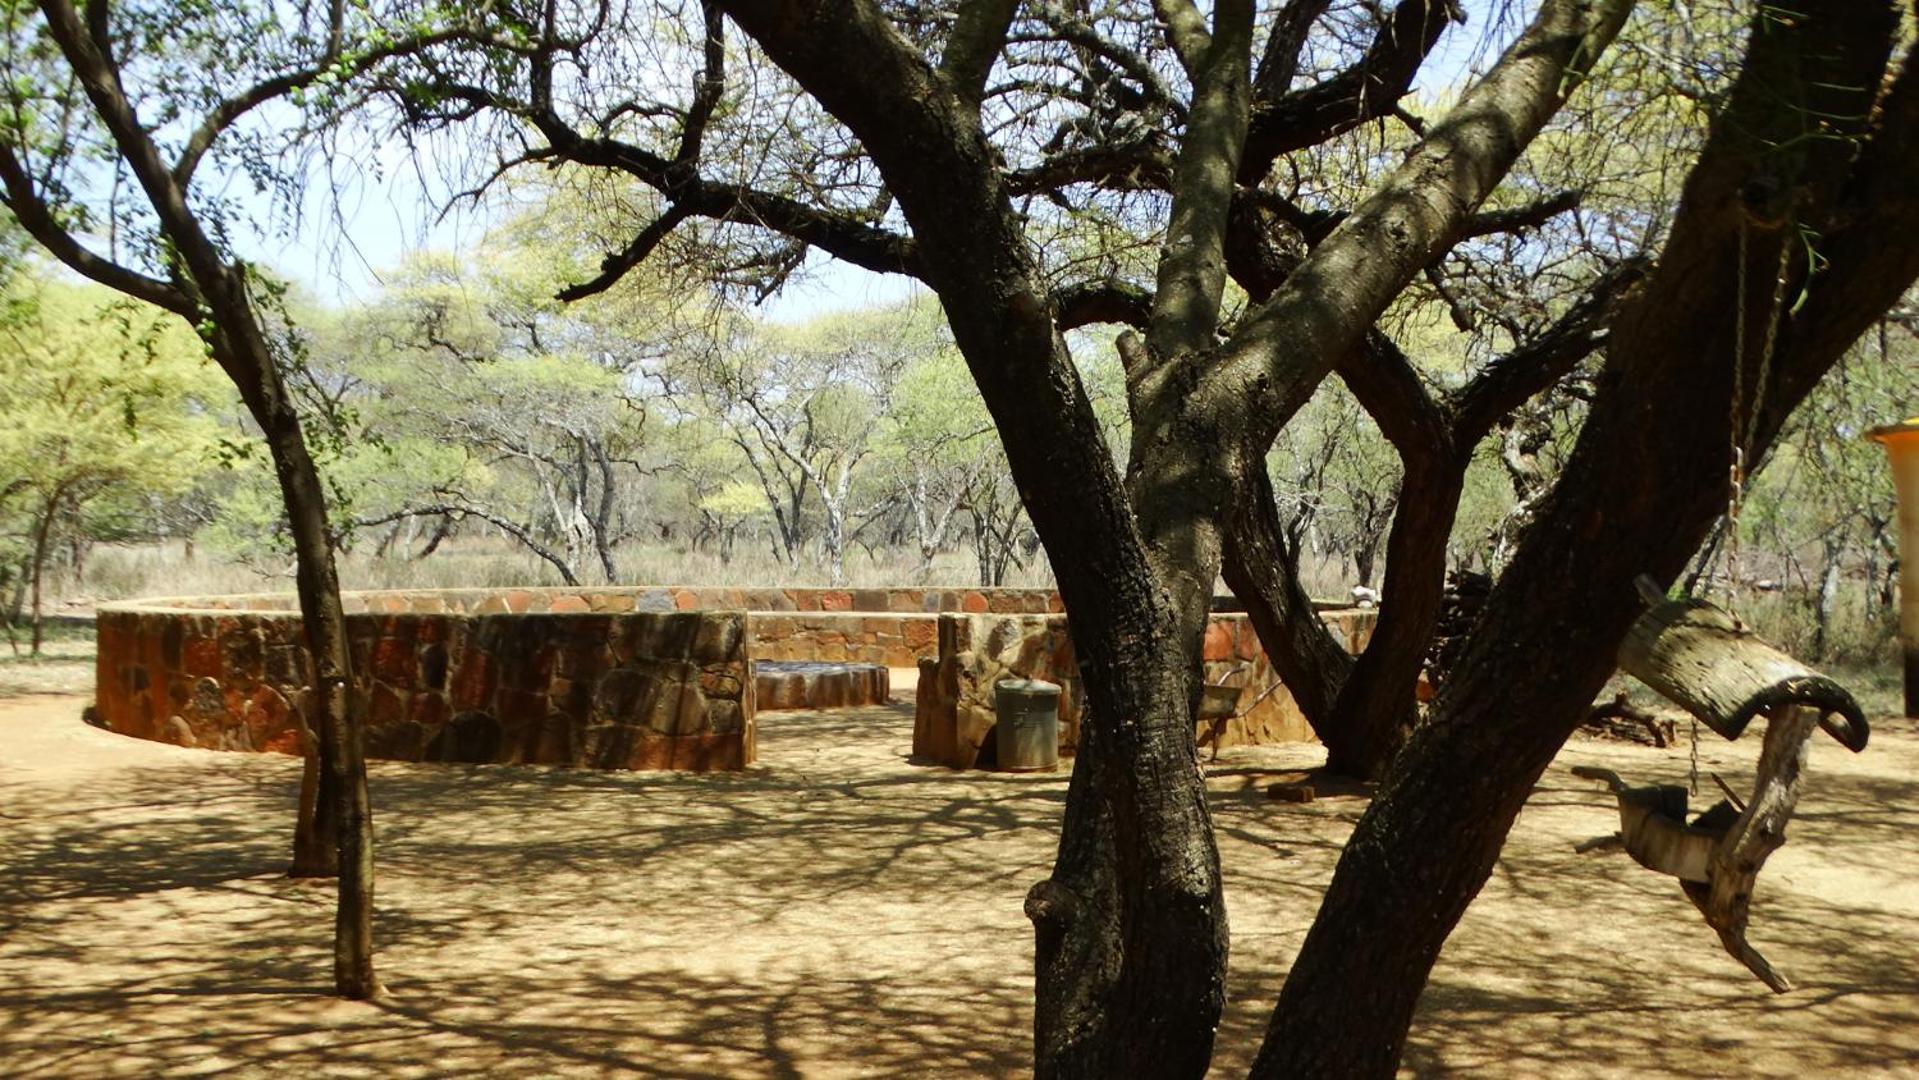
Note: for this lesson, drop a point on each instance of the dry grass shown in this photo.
(65, 664)
(116, 571)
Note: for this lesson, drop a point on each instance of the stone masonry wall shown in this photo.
(618, 677)
(634, 690)
(954, 711)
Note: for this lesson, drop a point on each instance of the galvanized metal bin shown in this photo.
(1027, 711)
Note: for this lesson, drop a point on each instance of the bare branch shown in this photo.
(615, 266)
(707, 88)
(1535, 364)
(1192, 266)
(1370, 88)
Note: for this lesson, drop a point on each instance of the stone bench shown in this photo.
(818, 684)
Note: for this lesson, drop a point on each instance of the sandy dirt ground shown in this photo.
(839, 911)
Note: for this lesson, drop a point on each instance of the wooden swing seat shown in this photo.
(1653, 827)
(1705, 661)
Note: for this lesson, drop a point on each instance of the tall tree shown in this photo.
(96, 400)
(112, 115)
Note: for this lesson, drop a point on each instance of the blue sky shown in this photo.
(386, 210)
(344, 244)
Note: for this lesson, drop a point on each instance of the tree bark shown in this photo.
(212, 294)
(342, 762)
(1644, 482)
(1263, 573)
(42, 541)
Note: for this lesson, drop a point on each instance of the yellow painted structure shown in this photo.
(1902, 448)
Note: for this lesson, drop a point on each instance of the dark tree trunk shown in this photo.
(37, 561)
(1261, 570)
(1378, 704)
(211, 293)
(439, 536)
(341, 804)
(1644, 483)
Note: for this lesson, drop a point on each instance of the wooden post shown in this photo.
(1761, 830)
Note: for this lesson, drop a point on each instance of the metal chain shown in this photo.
(1743, 427)
(1692, 777)
(1771, 339)
(1736, 472)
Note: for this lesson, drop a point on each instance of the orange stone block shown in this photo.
(836, 601)
(1249, 648)
(393, 661)
(974, 603)
(919, 633)
(202, 657)
(1219, 641)
(566, 605)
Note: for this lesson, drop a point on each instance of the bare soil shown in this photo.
(841, 911)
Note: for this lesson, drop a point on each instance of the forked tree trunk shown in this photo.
(1643, 485)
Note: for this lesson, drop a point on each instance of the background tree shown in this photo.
(110, 116)
(101, 402)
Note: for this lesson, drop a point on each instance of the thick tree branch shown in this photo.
(1285, 43)
(1186, 32)
(1137, 166)
(1369, 89)
(33, 214)
(707, 87)
(1389, 388)
(1192, 264)
(1317, 225)
(978, 35)
(1111, 301)
(1416, 211)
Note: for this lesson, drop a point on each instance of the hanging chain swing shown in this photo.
(1705, 659)
(1741, 429)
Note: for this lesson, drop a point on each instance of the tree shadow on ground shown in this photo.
(834, 911)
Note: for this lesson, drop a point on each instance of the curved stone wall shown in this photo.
(611, 677)
(626, 690)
